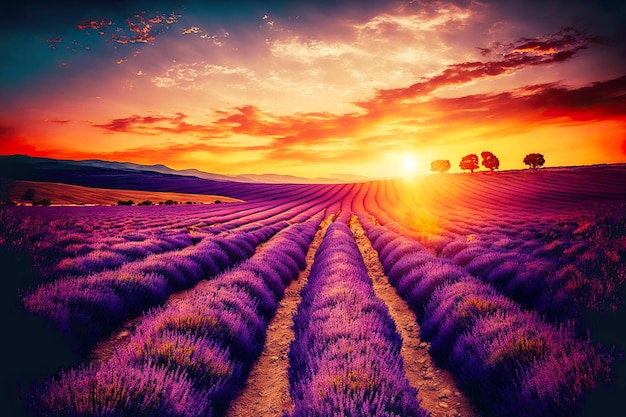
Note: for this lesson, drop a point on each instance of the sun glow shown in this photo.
(410, 164)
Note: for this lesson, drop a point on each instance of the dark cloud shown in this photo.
(602, 18)
(599, 101)
(525, 108)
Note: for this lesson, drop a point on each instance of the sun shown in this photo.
(410, 163)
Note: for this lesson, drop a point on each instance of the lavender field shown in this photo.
(514, 283)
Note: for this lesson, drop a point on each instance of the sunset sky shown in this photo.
(375, 88)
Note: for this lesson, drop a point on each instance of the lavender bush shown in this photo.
(345, 359)
(186, 358)
(499, 352)
(89, 307)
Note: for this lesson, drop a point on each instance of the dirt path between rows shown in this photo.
(267, 388)
(437, 390)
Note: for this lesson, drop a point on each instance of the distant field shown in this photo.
(66, 194)
(477, 295)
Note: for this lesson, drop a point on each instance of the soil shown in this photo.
(105, 349)
(437, 390)
(267, 388)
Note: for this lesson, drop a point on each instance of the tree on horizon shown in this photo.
(534, 160)
(440, 165)
(29, 195)
(469, 162)
(490, 161)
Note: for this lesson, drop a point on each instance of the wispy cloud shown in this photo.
(199, 75)
(140, 28)
(59, 121)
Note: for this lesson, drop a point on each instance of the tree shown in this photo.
(534, 160)
(29, 195)
(469, 162)
(490, 161)
(440, 165)
(145, 203)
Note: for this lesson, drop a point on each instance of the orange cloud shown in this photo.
(289, 135)
(155, 125)
(94, 24)
(317, 139)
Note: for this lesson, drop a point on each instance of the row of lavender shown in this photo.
(510, 360)
(85, 308)
(94, 255)
(576, 267)
(573, 245)
(80, 240)
(187, 358)
(345, 359)
(561, 265)
(100, 289)
(89, 253)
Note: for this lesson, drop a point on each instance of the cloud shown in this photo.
(309, 51)
(444, 17)
(191, 30)
(155, 125)
(140, 28)
(200, 75)
(54, 43)
(599, 101)
(328, 137)
(273, 142)
(390, 111)
(402, 37)
(97, 25)
(525, 52)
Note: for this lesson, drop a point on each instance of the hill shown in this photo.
(27, 163)
(65, 194)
